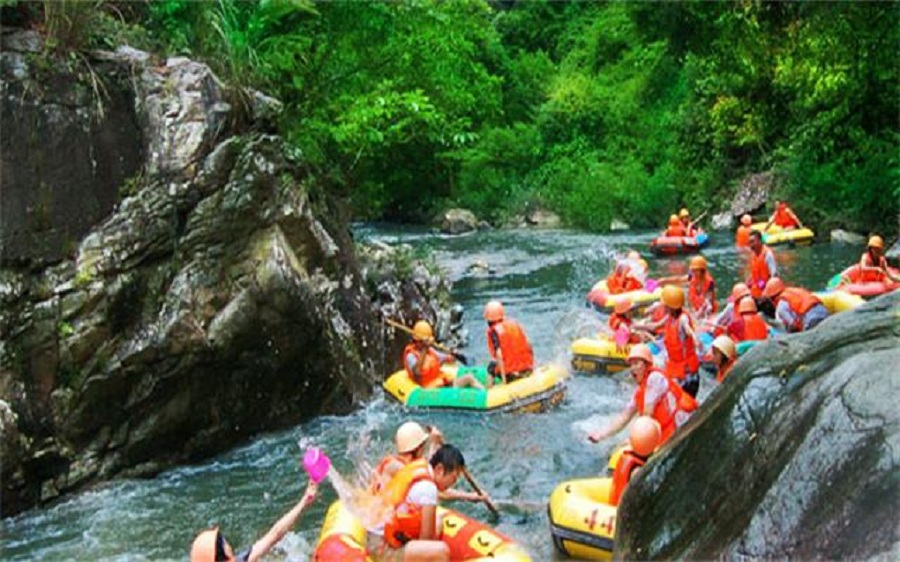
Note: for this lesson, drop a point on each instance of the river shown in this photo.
(542, 277)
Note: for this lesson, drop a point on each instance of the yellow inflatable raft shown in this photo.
(538, 392)
(601, 299)
(778, 235)
(598, 356)
(582, 522)
(343, 539)
(839, 301)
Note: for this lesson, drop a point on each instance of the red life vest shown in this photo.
(628, 462)
(783, 218)
(617, 320)
(870, 272)
(800, 300)
(682, 355)
(742, 236)
(661, 412)
(676, 230)
(517, 354)
(759, 271)
(754, 327)
(622, 282)
(697, 293)
(430, 375)
(406, 523)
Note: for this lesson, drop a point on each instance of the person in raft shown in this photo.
(656, 396)
(762, 265)
(724, 354)
(690, 228)
(413, 532)
(679, 339)
(211, 546)
(511, 355)
(873, 266)
(797, 309)
(423, 363)
(701, 287)
(676, 227)
(412, 441)
(622, 280)
(784, 217)
(621, 319)
(748, 325)
(742, 234)
(731, 313)
(643, 437)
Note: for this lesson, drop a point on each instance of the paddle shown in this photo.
(698, 219)
(462, 358)
(490, 505)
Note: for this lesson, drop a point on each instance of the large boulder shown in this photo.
(722, 221)
(796, 456)
(846, 237)
(893, 254)
(217, 297)
(542, 218)
(457, 221)
(752, 193)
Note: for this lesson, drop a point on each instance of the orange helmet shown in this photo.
(622, 306)
(422, 331)
(204, 547)
(673, 220)
(876, 242)
(493, 311)
(672, 296)
(747, 305)
(698, 262)
(726, 346)
(739, 291)
(684, 213)
(409, 437)
(774, 287)
(746, 220)
(642, 352)
(644, 435)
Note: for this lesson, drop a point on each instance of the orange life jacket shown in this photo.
(430, 375)
(676, 230)
(617, 320)
(682, 355)
(870, 272)
(406, 523)
(622, 282)
(627, 463)
(724, 370)
(742, 236)
(800, 300)
(759, 271)
(783, 218)
(697, 293)
(517, 354)
(378, 473)
(754, 327)
(661, 413)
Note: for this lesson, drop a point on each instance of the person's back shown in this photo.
(518, 356)
(644, 437)
(742, 234)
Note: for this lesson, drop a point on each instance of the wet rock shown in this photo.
(752, 193)
(722, 221)
(795, 456)
(893, 254)
(458, 221)
(617, 225)
(542, 218)
(847, 237)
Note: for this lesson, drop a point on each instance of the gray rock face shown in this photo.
(752, 193)
(219, 298)
(542, 218)
(847, 237)
(618, 225)
(893, 254)
(795, 457)
(722, 221)
(458, 221)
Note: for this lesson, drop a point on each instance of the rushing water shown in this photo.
(542, 277)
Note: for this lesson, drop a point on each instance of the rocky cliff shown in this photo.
(174, 278)
(795, 457)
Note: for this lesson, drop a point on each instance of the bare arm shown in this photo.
(428, 526)
(616, 426)
(282, 526)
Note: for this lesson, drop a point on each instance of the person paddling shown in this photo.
(423, 363)
(690, 229)
(873, 266)
(511, 355)
(211, 546)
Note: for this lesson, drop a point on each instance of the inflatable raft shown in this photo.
(582, 523)
(839, 301)
(676, 245)
(538, 392)
(598, 356)
(602, 300)
(865, 289)
(343, 539)
(777, 235)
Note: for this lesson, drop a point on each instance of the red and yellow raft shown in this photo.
(343, 539)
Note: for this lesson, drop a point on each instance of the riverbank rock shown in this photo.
(458, 221)
(893, 254)
(619, 225)
(722, 221)
(752, 193)
(845, 237)
(542, 218)
(211, 293)
(795, 457)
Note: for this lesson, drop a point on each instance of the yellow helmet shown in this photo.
(410, 437)
(683, 213)
(698, 262)
(876, 242)
(726, 346)
(422, 331)
(672, 296)
(673, 219)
